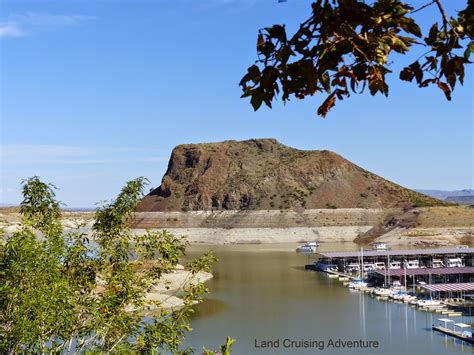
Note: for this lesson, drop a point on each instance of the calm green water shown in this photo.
(262, 292)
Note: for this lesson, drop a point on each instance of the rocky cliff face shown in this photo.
(264, 174)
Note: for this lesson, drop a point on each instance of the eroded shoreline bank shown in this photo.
(435, 226)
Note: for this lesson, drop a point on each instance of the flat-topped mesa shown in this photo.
(262, 174)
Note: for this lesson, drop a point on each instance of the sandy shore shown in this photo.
(165, 295)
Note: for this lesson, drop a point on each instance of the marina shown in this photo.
(410, 267)
(321, 307)
(439, 281)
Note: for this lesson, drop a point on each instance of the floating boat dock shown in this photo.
(399, 252)
(464, 336)
(409, 266)
(445, 275)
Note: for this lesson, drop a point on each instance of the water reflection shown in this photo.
(211, 308)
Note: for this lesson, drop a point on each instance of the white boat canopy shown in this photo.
(446, 320)
(462, 325)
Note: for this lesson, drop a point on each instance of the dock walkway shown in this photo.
(452, 333)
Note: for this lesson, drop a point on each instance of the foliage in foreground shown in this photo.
(61, 292)
(346, 46)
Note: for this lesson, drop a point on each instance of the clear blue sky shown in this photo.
(94, 93)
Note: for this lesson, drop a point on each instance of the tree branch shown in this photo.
(443, 15)
(424, 6)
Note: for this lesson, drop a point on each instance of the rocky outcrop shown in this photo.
(263, 174)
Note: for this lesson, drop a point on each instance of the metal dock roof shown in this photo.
(356, 254)
(463, 286)
(426, 271)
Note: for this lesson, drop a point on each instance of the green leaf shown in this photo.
(413, 28)
(469, 50)
(399, 45)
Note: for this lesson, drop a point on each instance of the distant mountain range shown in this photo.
(465, 197)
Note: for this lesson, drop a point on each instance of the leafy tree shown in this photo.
(345, 46)
(61, 292)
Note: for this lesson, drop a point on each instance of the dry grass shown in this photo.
(444, 217)
(11, 215)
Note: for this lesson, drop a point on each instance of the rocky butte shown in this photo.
(263, 174)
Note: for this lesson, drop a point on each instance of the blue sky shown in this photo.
(94, 93)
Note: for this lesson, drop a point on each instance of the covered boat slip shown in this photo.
(429, 276)
(412, 268)
(458, 287)
(453, 292)
(450, 289)
(466, 252)
(427, 271)
(409, 259)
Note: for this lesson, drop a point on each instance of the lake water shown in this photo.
(262, 292)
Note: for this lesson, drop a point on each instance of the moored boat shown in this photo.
(382, 291)
(308, 247)
(427, 302)
(357, 283)
(379, 246)
(398, 295)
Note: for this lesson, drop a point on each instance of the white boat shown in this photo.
(454, 262)
(352, 268)
(427, 302)
(396, 284)
(436, 263)
(379, 266)
(412, 264)
(357, 283)
(368, 267)
(308, 247)
(379, 246)
(399, 295)
(382, 292)
(409, 298)
(394, 265)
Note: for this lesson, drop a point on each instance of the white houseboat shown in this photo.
(308, 248)
(379, 246)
